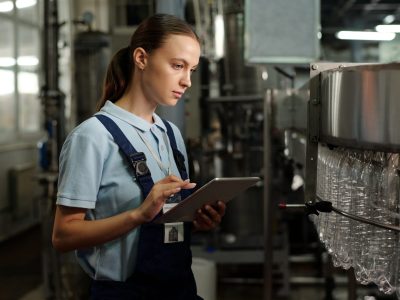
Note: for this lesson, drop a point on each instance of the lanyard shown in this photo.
(165, 169)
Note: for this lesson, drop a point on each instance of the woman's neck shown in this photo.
(137, 105)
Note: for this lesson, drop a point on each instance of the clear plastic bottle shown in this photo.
(359, 231)
(331, 179)
(385, 211)
(321, 192)
(341, 247)
(366, 194)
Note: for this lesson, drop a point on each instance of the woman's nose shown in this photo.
(185, 80)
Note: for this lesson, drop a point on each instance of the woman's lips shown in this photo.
(177, 94)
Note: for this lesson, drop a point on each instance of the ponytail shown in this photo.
(118, 76)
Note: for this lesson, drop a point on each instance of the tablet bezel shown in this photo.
(218, 189)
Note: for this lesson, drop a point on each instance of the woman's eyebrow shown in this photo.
(184, 61)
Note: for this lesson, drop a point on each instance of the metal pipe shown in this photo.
(268, 203)
(54, 122)
(347, 215)
(364, 220)
(52, 45)
(52, 97)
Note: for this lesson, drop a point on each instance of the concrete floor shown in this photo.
(20, 264)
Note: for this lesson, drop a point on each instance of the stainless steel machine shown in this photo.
(352, 169)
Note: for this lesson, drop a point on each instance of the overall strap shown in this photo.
(136, 159)
(178, 156)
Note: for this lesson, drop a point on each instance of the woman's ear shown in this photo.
(140, 58)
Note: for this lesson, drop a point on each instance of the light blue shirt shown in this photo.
(95, 175)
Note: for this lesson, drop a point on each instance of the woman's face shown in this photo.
(168, 69)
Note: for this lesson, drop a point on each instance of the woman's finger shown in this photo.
(181, 184)
(215, 216)
(168, 193)
(221, 206)
(204, 217)
(173, 181)
(170, 178)
(190, 185)
(200, 225)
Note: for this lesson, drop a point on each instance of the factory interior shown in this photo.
(303, 94)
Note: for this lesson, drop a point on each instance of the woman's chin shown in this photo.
(170, 103)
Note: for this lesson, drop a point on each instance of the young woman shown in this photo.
(124, 166)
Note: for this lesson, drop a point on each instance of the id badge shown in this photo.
(173, 232)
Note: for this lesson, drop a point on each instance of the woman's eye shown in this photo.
(177, 66)
(193, 70)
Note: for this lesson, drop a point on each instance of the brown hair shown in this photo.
(149, 35)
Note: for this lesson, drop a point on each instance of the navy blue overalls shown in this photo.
(163, 270)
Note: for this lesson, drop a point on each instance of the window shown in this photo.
(7, 102)
(20, 105)
(29, 108)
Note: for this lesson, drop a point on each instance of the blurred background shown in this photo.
(245, 115)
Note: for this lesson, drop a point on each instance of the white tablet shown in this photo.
(218, 189)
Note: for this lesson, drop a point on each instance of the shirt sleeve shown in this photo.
(81, 165)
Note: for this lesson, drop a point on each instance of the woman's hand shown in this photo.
(160, 192)
(208, 217)
(71, 231)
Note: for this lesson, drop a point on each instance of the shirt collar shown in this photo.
(136, 121)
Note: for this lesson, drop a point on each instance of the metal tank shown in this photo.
(239, 111)
(238, 78)
(360, 105)
(92, 54)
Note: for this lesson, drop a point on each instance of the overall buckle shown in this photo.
(138, 161)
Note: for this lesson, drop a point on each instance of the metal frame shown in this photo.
(268, 254)
(312, 137)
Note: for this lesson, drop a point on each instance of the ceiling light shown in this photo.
(388, 28)
(6, 6)
(25, 3)
(389, 19)
(7, 61)
(365, 35)
(27, 61)
(264, 75)
(21, 61)
(219, 36)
